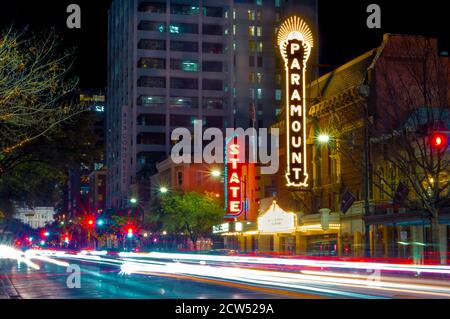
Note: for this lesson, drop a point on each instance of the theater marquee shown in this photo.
(295, 41)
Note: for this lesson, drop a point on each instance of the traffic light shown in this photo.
(100, 222)
(90, 222)
(130, 231)
(438, 141)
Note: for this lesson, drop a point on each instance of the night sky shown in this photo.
(343, 31)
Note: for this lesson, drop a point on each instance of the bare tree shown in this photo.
(34, 89)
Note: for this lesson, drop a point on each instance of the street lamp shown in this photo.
(215, 173)
(133, 200)
(163, 190)
(323, 138)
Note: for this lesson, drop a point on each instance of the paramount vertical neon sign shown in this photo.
(295, 41)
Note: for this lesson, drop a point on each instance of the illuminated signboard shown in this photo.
(276, 220)
(222, 228)
(295, 42)
(233, 180)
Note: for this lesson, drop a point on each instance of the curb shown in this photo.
(8, 290)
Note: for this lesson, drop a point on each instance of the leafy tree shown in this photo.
(192, 212)
(37, 171)
(34, 88)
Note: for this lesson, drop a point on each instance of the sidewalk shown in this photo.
(7, 290)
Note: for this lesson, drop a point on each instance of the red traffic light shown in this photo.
(90, 222)
(438, 141)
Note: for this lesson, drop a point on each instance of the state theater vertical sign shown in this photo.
(233, 179)
(295, 41)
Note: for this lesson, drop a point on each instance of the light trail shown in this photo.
(7, 252)
(234, 271)
(436, 269)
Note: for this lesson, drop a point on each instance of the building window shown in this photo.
(252, 78)
(212, 66)
(251, 15)
(251, 31)
(214, 121)
(183, 83)
(177, 28)
(260, 62)
(259, 31)
(148, 44)
(151, 138)
(184, 65)
(260, 47)
(259, 15)
(278, 79)
(152, 82)
(212, 103)
(251, 61)
(184, 102)
(182, 120)
(156, 101)
(259, 78)
(213, 85)
(252, 93)
(184, 9)
(277, 3)
(151, 119)
(152, 7)
(144, 158)
(251, 46)
(213, 48)
(212, 29)
(151, 26)
(184, 46)
(180, 178)
(152, 63)
(278, 95)
(259, 94)
(216, 12)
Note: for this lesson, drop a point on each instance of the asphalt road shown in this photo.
(43, 275)
(105, 282)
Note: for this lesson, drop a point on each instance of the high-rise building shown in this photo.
(171, 63)
(78, 186)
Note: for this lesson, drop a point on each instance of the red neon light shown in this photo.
(234, 175)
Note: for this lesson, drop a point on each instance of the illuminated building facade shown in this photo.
(171, 63)
(323, 219)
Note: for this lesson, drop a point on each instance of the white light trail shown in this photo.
(7, 252)
(436, 269)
